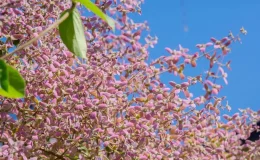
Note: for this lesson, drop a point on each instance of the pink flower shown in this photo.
(215, 91)
(202, 47)
(224, 75)
(34, 137)
(102, 106)
(169, 50)
(129, 124)
(79, 107)
(159, 97)
(143, 157)
(93, 115)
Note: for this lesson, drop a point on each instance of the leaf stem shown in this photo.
(65, 16)
(5, 4)
(52, 153)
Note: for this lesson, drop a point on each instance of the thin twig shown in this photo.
(52, 153)
(4, 5)
(65, 16)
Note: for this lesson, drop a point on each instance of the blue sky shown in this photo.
(207, 19)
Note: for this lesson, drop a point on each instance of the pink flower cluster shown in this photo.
(113, 105)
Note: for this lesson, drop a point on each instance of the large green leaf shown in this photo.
(72, 33)
(92, 7)
(3, 76)
(13, 81)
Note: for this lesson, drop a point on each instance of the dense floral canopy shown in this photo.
(113, 104)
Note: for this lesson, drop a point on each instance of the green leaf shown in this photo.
(13, 81)
(72, 33)
(92, 7)
(84, 150)
(3, 76)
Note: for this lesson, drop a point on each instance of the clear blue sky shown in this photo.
(207, 19)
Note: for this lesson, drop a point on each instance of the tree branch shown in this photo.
(4, 5)
(65, 16)
(52, 153)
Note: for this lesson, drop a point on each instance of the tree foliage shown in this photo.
(112, 104)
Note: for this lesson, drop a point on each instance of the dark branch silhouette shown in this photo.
(254, 135)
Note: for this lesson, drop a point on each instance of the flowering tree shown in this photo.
(111, 103)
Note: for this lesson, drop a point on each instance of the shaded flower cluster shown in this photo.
(113, 105)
